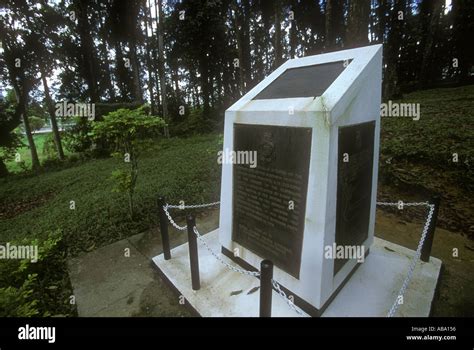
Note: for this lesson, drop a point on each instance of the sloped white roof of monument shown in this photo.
(339, 82)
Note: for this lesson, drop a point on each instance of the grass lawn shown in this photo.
(416, 159)
(25, 154)
(34, 207)
(181, 169)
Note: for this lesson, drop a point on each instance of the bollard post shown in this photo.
(165, 240)
(426, 249)
(266, 276)
(193, 252)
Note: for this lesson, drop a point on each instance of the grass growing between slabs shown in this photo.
(35, 207)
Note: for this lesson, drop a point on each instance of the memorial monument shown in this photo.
(314, 127)
(299, 184)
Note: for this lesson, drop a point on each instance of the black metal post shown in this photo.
(266, 276)
(426, 249)
(193, 252)
(165, 239)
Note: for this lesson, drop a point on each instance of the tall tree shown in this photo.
(18, 56)
(334, 13)
(149, 57)
(391, 86)
(277, 38)
(357, 33)
(426, 62)
(463, 32)
(161, 64)
(88, 51)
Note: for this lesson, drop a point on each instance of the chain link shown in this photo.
(222, 261)
(281, 293)
(275, 284)
(192, 206)
(416, 258)
(170, 219)
(396, 204)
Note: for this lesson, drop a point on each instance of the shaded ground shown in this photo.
(109, 282)
(456, 286)
(106, 283)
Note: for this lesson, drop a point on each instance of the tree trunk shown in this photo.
(175, 77)
(293, 38)
(463, 34)
(52, 115)
(239, 38)
(3, 169)
(137, 89)
(391, 85)
(104, 50)
(161, 66)
(358, 24)
(88, 51)
(246, 54)
(426, 64)
(278, 45)
(22, 98)
(17, 77)
(148, 60)
(382, 20)
(334, 23)
(121, 72)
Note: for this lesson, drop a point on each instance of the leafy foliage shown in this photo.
(40, 288)
(128, 130)
(177, 168)
(36, 123)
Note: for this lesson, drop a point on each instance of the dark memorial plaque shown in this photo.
(307, 81)
(269, 200)
(354, 185)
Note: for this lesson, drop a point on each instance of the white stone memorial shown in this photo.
(314, 124)
(299, 185)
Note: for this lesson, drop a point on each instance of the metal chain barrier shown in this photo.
(416, 258)
(170, 219)
(281, 293)
(222, 261)
(193, 206)
(275, 284)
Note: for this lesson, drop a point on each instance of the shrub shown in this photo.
(128, 130)
(35, 123)
(49, 147)
(35, 289)
(76, 138)
(194, 122)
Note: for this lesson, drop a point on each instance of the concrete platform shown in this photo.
(370, 292)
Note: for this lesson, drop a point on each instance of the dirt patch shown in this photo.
(9, 210)
(456, 208)
(419, 183)
(456, 284)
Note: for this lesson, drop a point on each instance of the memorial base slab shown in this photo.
(370, 292)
